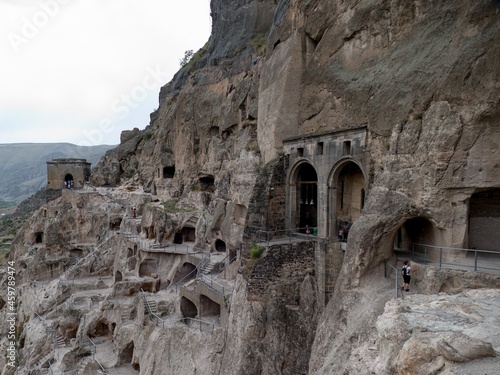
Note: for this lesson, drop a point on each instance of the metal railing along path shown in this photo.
(173, 323)
(396, 276)
(285, 234)
(456, 258)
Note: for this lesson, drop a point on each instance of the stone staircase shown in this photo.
(125, 315)
(38, 364)
(152, 306)
(208, 266)
(59, 340)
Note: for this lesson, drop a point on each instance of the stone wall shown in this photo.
(279, 272)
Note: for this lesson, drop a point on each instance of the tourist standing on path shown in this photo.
(406, 271)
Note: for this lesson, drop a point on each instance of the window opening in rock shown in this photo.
(118, 276)
(207, 183)
(38, 237)
(169, 172)
(347, 148)
(319, 148)
(220, 246)
(300, 151)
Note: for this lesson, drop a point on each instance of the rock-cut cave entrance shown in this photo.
(208, 307)
(188, 308)
(347, 199)
(484, 220)
(186, 234)
(410, 237)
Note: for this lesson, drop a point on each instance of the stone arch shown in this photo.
(347, 184)
(416, 230)
(484, 220)
(69, 181)
(303, 195)
(188, 308)
(220, 246)
(208, 307)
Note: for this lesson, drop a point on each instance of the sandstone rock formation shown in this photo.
(380, 118)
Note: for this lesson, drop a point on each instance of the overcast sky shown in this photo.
(81, 71)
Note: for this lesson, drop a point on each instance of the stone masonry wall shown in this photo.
(278, 273)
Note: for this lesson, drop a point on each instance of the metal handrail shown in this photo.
(396, 273)
(428, 249)
(211, 284)
(205, 258)
(288, 233)
(160, 323)
(94, 355)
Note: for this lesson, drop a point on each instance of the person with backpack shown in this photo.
(406, 271)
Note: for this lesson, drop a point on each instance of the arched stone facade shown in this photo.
(341, 182)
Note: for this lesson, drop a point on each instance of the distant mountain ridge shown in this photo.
(23, 166)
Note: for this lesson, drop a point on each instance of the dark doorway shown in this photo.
(208, 307)
(484, 220)
(220, 246)
(68, 181)
(307, 195)
(188, 308)
(418, 230)
(169, 172)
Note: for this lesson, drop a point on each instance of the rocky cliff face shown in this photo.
(211, 168)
